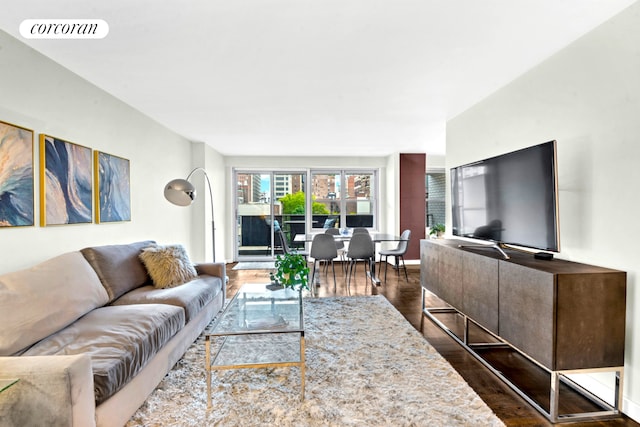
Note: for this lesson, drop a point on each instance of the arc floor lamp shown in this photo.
(181, 192)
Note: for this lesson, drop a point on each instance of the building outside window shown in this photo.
(346, 196)
(435, 198)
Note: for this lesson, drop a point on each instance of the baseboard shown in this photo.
(605, 392)
(631, 409)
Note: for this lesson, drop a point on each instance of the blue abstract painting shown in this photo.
(114, 188)
(66, 181)
(16, 176)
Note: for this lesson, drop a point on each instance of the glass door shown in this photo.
(253, 215)
(269, 205)
(290, 206)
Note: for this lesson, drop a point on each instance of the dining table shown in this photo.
(345, 236)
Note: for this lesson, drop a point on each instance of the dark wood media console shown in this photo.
(564, 316)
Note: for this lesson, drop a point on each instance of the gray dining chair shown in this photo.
(359, 230)
(285, 246)
(398, 254)
(361, 247)
(323, 248)
(339, 246)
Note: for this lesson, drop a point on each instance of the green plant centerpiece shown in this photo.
(437, 230)
(292, 271)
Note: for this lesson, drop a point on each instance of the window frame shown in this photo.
(342, 200)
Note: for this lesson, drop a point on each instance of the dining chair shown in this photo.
(276, 228)
(361, 247)
(398, 254)
(359, 230)
(285, 246)
(339, 246)
(323, 248)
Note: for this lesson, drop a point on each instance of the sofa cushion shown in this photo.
(36, 302)
(168, 266)
(119, 339)
(191, 296)
(118, 266)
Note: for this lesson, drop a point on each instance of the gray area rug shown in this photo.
(366, 366)
(261, 265)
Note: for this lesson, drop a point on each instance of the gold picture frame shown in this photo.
(112, 187)
(66, 182)
(17, 194)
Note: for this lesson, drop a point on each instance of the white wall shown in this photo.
(587, 97)
(38, 94)
(435, 162)
(391, 205)
(203, 156)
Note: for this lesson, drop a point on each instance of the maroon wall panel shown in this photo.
(412, 200)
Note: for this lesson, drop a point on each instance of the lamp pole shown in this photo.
(213, 222)
(182, 192)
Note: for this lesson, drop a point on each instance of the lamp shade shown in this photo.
(180, 192)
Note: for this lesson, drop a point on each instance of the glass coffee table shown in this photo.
(259, 328)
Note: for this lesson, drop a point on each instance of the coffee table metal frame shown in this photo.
(254, 315)
(5, 383)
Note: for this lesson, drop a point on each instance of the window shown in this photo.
(344, 198)
(272, 205)
(436, 187)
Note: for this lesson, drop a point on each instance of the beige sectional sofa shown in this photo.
(89, 336)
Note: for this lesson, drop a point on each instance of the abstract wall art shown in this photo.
(65, 182)
(16, 176)
(113, 188)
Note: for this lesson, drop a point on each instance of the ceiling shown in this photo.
(310, 78)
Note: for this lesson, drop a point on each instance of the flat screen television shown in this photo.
(510, 199)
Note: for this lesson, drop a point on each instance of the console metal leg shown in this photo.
(619, 398)
(465, 338)
(557, 378)
(554, 401)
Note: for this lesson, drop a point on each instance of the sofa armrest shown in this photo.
(217, 269)
(52, 390)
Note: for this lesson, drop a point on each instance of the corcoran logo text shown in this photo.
(64, 29)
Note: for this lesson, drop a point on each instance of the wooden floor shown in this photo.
(406, 296)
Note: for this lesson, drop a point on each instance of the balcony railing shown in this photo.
(256, 229)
